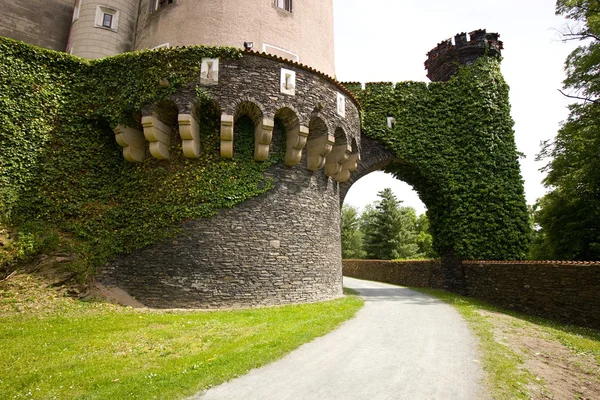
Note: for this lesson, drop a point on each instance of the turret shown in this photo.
(443, 61)
(102, 28)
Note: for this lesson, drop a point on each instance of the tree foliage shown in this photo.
(352, 237)
(569, 215)
(391, 231)
(454, 143)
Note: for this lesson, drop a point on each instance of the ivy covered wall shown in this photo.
(454, 143)
(64, 183)
(63, 179)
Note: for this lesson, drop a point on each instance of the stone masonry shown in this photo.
(280, 247)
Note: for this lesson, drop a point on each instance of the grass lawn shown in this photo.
(509, 345)
(98, 351)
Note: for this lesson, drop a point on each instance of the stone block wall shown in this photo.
(559, 290)
(44, 23)
(281, 247)
(278, 248)
(426, 273)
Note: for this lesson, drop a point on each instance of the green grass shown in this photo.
(350, 291)
(96, 351)
(507, 377)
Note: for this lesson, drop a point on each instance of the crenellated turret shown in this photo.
(443, 61)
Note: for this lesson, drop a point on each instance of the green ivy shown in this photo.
(61, 166)
(455, 145)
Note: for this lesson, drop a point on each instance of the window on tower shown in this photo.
(162, 3)
(283, 4)
(106, 18)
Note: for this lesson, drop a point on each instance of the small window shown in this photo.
(283, 4)
(76, 10)
(107, 18)
(162, 3)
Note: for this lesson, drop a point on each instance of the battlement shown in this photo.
(443, 60)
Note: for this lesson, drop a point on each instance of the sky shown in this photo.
(387, 40)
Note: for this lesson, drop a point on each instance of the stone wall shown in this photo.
(44, 23)
(426, 273)
(560, 290)
(553, 289)
(281, 247)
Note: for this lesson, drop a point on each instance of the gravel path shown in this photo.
(401, 345)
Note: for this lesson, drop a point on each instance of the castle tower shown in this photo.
(299, 30)
(101, 29)
(443, 61)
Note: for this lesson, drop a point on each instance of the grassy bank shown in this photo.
(98, 351)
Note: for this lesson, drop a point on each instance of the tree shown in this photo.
(569, 215)
(390, 230)
(424, 239)
(352, 237)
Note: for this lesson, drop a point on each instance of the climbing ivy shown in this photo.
(455, 145)
(62, 172)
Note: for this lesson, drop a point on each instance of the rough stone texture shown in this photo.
(280, 247)
(426, 273)
(256, 79)
(374, 157)
(44, 23)
(443, 61)
(559, 290)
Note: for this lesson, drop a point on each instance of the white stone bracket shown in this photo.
(347, 167)
(336, 158)
(317, 150)
(189, 130)
(159, 136)
(263, 134)
(295, 142)
(227, 136)
(132, 141)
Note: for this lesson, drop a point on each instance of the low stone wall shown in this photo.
(559, 290)
(421, 273)
(564, 291)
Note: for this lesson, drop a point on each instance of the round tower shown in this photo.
(301, 31)
(443, 61)
(101, 29)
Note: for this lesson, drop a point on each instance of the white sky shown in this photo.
(387, 40)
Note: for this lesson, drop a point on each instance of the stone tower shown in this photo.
(297, 30)
(300, 31)
(443, 61)
(101, 29)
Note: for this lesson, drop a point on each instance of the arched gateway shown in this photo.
(452, 140)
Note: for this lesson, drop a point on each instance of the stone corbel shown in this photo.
(227, 136)
(159, 136)
(295, 142)
(336, 158)
(132, 141)
(189, 130)
(262, 139)
(347, 167)
(316, 151)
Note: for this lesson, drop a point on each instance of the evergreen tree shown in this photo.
(352, 237)
(389, 230)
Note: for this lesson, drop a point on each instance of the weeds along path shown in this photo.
(401, 345)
